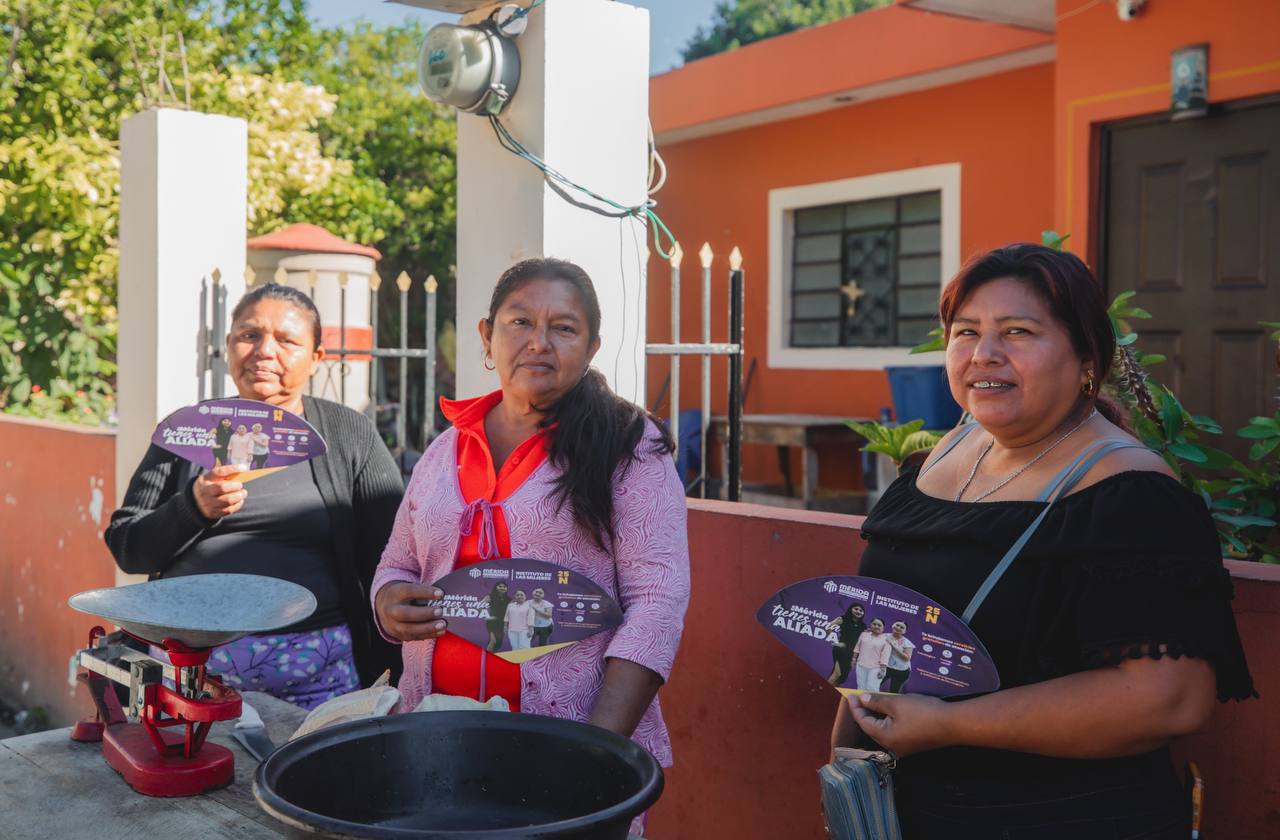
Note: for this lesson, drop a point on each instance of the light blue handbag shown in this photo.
(857, 796)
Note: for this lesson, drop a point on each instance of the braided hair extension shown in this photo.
(1129, 377)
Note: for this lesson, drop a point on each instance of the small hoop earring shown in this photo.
(488, 363)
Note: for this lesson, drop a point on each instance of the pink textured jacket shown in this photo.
(648, 572)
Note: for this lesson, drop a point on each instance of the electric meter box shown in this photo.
(472, 68)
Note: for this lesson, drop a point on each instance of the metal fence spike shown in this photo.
(432, 285)
(375, 281)
(249, 275)
(343, 277)
(312, 277)
(735, 259)
(281, 276)
(216, 274)
(677, 256)
(706, 255)
(404, 281)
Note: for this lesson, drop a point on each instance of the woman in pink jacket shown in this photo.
(871, 656)
(556, 467)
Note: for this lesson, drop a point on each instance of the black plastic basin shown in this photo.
(460, 776)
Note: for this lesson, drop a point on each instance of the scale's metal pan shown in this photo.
(200, 611)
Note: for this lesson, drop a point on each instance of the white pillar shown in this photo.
(183, 180)
(582, 106)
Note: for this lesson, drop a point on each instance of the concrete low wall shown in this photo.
(750, 723)
(1238, 752)
(57, 492)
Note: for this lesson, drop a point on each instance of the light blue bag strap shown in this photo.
(1058, 486)
(951, 444)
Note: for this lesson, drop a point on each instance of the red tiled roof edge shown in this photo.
(311, 238)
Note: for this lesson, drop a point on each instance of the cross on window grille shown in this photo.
(866, 273)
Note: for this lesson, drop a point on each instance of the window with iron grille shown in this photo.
(866, 273)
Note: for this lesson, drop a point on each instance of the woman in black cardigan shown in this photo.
(322, 524)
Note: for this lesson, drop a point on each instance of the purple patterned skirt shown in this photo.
(304, 668)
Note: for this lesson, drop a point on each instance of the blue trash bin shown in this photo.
(689, 447)
(922, 393)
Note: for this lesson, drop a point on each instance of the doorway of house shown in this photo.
(1191, 222)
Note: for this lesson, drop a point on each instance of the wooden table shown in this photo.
(804, 431)
(53, 788)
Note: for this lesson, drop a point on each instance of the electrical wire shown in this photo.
(561, 184)
(623, 224)
(1079, 9)
(622, 276)
(656, 164)
(640, 286)
(525, 11)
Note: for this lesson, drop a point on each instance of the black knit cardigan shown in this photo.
(361, 487)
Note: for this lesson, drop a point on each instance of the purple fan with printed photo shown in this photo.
(522, 609)
(257, 435)
(866, 634)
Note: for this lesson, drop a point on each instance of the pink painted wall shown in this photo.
(57, 491)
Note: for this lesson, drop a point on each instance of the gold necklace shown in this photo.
(973, 472)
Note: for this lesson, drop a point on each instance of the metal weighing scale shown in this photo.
(158, 743)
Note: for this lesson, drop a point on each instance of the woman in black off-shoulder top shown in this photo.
(1112, 629)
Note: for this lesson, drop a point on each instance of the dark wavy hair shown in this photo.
(1073, 295)
(288, 294)
(596, 431)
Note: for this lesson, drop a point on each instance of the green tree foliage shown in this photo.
(394, 135)
(737, 23)
(337, 137)
(397, 137)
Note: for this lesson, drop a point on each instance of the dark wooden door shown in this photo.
(1193, 226)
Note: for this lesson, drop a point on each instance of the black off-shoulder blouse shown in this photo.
(1127, 567)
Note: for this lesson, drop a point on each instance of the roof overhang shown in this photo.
(1033, 14)
(886, 52)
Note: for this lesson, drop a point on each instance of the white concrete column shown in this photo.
(183, 181)
(583, 107)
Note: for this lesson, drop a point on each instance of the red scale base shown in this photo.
(129, 751)
(166, 754)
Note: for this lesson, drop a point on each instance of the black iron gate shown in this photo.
(705, 350)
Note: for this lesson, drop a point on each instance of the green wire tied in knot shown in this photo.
(559, 182)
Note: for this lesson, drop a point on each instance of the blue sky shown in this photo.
(672, 21)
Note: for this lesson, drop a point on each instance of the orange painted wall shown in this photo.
(998, 128)
(1108, 69)
(57, 491)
